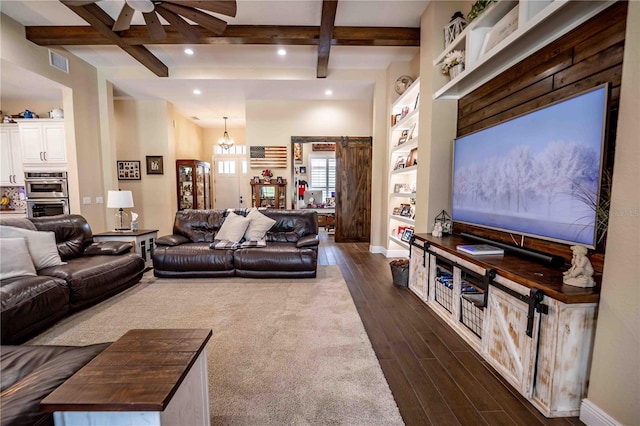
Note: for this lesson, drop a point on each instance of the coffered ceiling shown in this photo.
(240, 64)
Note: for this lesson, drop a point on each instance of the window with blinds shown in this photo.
(323, 175)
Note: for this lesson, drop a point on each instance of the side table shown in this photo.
(148, 376)
(143, 241)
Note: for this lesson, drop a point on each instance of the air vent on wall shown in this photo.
(58, 61)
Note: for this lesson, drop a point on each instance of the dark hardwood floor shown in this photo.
(435, 377)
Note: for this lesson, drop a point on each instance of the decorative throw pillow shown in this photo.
(258, 226)
(233, 228)
(15, 260)
(42, 245)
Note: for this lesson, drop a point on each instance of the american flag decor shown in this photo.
(268, 156)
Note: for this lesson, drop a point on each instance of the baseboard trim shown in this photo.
(377, 249)
(592, 415)
(397, 253)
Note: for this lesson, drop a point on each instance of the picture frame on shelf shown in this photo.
(405, 112)
(407, 234)
(303, 170)
(397, 119)
(416, 104)
(501, 30)
(412, 160)
(400, 163)
(256, 179)
(412, 130)
(279, 180)
(403, 137)
(155, 165)
(396, 211)
(128, 170)
(405, 210)
(399, 188)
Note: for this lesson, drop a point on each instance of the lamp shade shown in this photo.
(119, 199)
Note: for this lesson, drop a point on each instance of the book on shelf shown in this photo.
(479, 249)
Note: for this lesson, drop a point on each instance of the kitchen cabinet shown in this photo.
(11, 170)
(272, 195)
(194, 184)
(43, 142)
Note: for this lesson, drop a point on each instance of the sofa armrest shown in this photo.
(308, 241)
(108, 248)
(172, 240)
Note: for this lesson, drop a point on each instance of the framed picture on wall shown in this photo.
(128, 170)
(155, 165)
(303, 170)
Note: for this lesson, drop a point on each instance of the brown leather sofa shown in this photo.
(30, 373)
(291, 250)
(93, 272)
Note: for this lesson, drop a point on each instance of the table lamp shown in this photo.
(121, 200)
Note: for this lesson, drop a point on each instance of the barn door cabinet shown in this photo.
(535, 332)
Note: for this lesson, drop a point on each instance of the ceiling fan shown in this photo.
(173, 12)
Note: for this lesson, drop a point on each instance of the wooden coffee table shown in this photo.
(154, 377)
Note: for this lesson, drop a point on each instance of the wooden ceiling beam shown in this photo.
(234, 34)
(327, 24)
(103, 23)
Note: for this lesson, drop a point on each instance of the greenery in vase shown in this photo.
(478, 7)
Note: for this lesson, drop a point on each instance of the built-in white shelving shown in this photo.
(506, 33)
(403, 154)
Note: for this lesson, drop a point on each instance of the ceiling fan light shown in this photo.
(144, 6)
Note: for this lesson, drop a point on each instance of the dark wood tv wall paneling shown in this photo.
(586, 57)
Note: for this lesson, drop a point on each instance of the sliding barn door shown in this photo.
(353, 187)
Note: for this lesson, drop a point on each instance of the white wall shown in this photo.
(614, 386)
(144, 128)
(274, 122)
(79, 99)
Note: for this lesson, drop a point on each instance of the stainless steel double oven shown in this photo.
(47, 193)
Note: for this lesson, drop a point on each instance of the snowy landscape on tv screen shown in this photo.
(535, 174)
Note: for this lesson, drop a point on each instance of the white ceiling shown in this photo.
(227, 75)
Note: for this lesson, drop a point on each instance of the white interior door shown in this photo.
(231, 182)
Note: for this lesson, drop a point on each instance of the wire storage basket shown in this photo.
(472, 311)
(444, 289)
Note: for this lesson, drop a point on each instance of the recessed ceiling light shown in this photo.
(196, 91)
(282, 52)
(188, 51)
(328, 92)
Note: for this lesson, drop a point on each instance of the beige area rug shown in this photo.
(283, 352)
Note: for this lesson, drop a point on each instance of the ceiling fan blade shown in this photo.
(124, 19)
(224, 7)
(154, 26)
(78, 2)
(213, 24)
(187, 30)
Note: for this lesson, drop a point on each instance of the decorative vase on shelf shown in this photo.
(267, 179)
(455, 70)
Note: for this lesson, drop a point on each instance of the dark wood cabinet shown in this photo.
(273, 194)
(194, 184)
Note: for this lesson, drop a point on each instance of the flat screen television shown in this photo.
(537, 174)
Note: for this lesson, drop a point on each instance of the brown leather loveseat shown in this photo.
(91, 273)
(291, 249)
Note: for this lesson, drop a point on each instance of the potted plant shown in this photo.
(453, 63)
(478, 7)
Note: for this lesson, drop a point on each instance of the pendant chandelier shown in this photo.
(225, 141)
